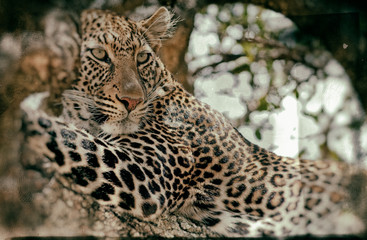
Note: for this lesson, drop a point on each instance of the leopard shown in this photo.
(138, 143)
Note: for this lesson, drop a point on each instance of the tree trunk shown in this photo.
(29, 201)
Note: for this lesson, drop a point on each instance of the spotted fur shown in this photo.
(133, 139)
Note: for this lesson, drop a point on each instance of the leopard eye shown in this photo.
(100, 54)
(142, 57)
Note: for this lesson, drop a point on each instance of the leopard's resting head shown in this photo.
(120, 71)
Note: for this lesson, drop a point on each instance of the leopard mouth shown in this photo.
(124, 126)
(113, 125)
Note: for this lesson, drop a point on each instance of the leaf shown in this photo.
(241, 68)
(296, 93)
(258, 134)
(263, 104)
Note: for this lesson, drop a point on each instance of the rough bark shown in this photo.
(23, 204)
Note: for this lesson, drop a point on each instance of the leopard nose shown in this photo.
(129, 103)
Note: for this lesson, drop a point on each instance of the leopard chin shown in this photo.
(125, 126)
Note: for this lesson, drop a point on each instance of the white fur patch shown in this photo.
(34, 101)
(120, 128)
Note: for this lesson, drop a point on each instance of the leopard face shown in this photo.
(119, 67)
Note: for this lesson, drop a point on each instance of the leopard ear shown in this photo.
(158, 27)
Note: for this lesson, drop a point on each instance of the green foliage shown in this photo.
(258, 134)
(241, 68)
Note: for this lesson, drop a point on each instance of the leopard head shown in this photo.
(120, 68)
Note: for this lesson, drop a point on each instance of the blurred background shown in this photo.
(290, 75)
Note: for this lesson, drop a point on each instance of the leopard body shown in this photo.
(133, 139)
